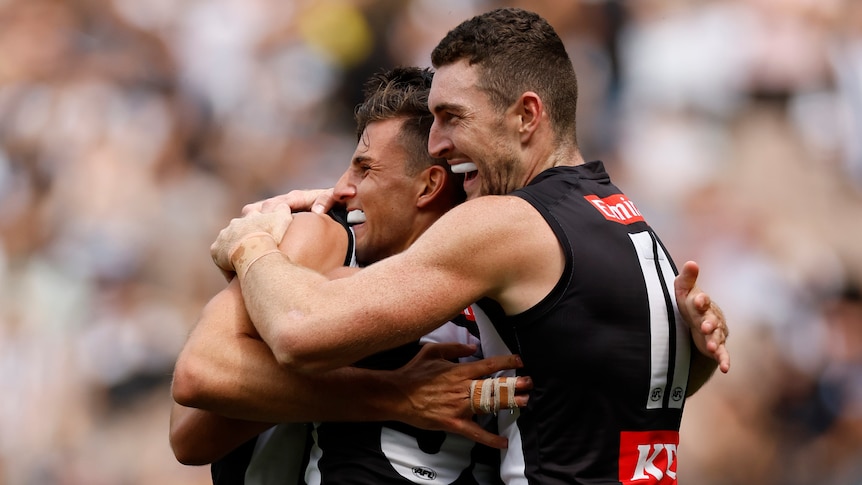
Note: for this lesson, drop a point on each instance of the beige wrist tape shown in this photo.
(242, 271)
(250, 249)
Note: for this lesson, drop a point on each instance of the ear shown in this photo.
(530, 111)
(434, 180)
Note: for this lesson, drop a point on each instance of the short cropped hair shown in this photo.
(516, 51)
(401, 92)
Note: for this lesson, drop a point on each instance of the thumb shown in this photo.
(687, 278)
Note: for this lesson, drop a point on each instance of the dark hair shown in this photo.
(516, 51)
(401, 92)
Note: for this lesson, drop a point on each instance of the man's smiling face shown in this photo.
(379, 194)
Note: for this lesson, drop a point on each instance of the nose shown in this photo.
(345, 189)
(438, 143)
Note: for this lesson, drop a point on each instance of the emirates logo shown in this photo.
(616, 208)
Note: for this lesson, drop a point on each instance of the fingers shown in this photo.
(704, 301)
(323, 202)
(447, 351)
(489, 396)
(316, 200)
(715, 328)
(254, 207)
(475, 432)
(492, 365)
(524, 384)
(248, 228)
(709, 327)
(723, 359)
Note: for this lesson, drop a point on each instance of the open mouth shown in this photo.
(355, 217)
(469, 170)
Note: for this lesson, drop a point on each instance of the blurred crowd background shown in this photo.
(132, 131)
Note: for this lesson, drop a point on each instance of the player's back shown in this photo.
(606, 350)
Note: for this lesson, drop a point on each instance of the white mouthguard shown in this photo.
(355, 217)
(465, 167)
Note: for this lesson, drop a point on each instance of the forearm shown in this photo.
(292, 397)
(237, 376)
(200, 437)
(314, 324)
(277, 298)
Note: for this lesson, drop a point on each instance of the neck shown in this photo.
(561, 156)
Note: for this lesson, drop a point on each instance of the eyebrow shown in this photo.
(447, 107)
(360, 159)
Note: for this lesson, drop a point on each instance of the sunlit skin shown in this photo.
(468, 129)
(377, 183)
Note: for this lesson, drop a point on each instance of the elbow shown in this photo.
(189, 385)
(188, 455)
(303, 355)
(185, 440)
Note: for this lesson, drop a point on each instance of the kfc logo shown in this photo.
(648, 457)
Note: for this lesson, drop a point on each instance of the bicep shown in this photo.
(457, 261)
(315, 241)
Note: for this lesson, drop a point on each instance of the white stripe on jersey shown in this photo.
(648, 250)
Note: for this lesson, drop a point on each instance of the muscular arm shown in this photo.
(226, 375)
(394, 307)
(704, 316)
(222, 367)
(312, 323)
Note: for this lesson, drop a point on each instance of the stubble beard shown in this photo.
(503, 178)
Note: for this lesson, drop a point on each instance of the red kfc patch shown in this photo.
(648, 457)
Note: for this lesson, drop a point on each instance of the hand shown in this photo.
(270, 225)
(437, 391)
(708, 326)
(317, 200)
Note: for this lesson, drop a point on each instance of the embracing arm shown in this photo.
(222, 370)
(232, 376)
(314, 324)
(226, 374)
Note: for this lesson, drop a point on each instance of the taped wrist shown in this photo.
(250, 249)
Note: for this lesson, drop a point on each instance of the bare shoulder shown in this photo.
(313, 222)
(493, 218)
(494, 211)
(316, 241)
(501, 243)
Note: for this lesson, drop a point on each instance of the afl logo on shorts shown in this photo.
(424, 473)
